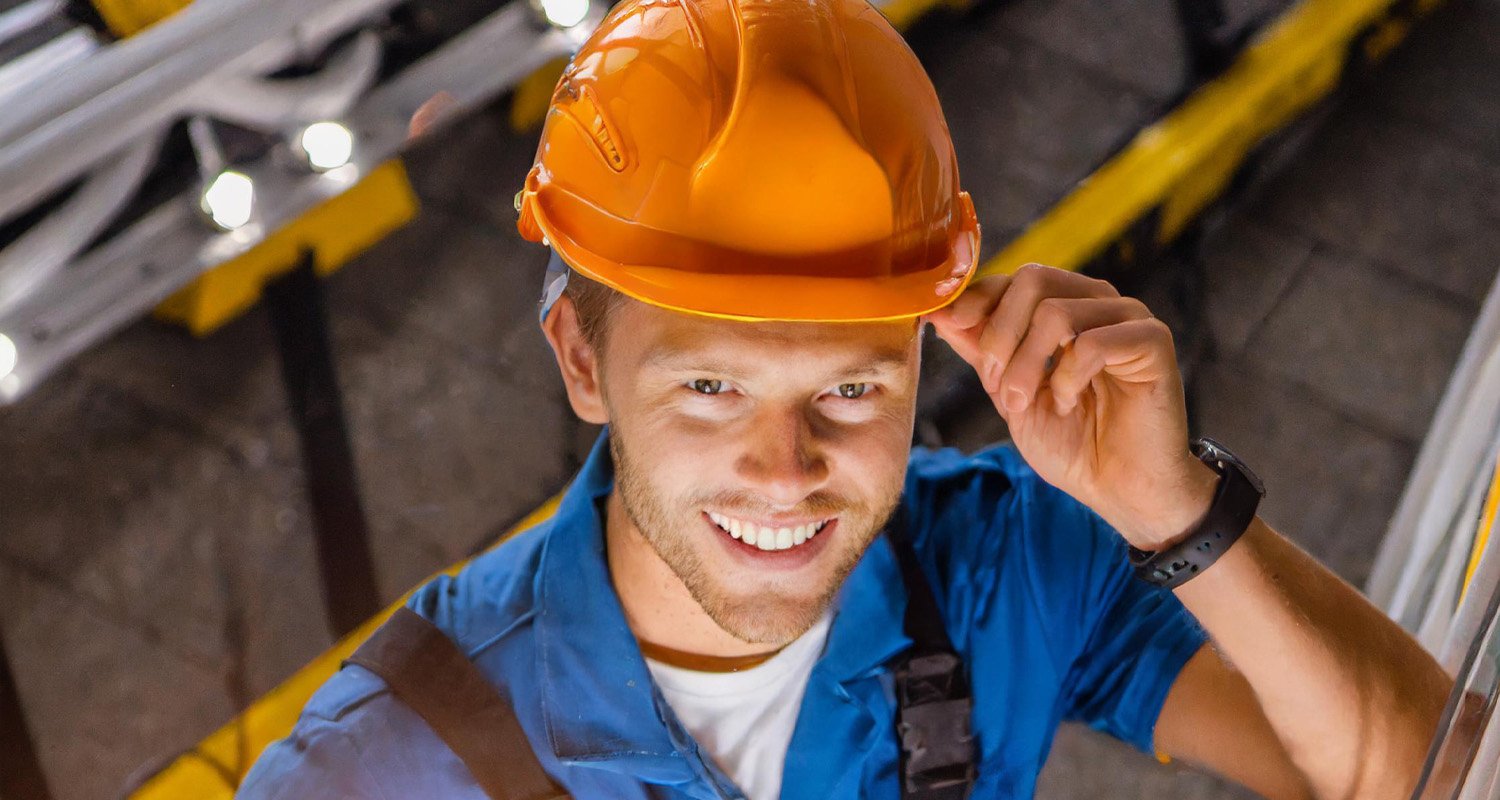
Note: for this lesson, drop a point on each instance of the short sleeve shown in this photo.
(318, 762)
(1121, 641)
(356, 741)
(1139, 638)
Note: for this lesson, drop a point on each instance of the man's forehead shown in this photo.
(668, 338)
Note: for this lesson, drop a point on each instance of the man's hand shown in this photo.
(1088, 383)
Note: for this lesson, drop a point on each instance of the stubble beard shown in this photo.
(766, 616)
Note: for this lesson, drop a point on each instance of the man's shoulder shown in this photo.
(938, 464)
(354, 732)
(948, 491)
(490, 597)
(981, 514)
(355, 740)
(494, 594)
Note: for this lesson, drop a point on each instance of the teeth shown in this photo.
(767, 538)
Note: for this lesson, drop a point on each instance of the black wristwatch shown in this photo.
(1228, 518)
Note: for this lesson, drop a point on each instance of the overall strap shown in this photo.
(426, 671)
(933, 698)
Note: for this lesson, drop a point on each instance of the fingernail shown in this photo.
(992, 373)
(1015, 400)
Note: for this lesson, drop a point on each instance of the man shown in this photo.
(753, 205)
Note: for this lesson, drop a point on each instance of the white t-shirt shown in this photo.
(744, 720)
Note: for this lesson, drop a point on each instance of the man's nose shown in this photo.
(784, 461)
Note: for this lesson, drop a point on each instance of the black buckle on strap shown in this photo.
(933, 723)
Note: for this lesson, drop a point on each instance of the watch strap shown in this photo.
(1229, 516)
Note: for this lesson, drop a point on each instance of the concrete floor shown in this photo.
(156, 561)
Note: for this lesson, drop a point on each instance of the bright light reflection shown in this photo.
(229, 199)
(327, 145)
(8, 356)
(565, 13)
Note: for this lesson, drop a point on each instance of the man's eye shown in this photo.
(707, 386)
(853, 391)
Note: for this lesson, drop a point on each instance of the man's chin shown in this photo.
(766, 620)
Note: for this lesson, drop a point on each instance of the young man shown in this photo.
(754, 205)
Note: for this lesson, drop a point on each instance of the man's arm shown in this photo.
(1212, 720)
(1088, 384)
(1353, 700)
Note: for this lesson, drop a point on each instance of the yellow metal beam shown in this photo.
(1179, 165)
(335, 231)
(533, 96)
(1482, 534)
(126, 18)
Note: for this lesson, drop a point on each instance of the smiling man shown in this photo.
(755, 588)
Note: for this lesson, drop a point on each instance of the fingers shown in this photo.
(1055, 323)
(959, 324)
(1009, 328)
(976, 303)
(1011, 318)
(1135, 351)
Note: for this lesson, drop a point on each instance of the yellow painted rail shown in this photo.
(1175, 168)
(128, 17)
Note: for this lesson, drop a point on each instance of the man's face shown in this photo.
(795, 435)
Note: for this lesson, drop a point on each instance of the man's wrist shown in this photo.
(1178, 516)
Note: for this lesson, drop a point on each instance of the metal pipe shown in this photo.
(38, 160)
(41, 252)
(1453, 425)
(27, 17)
(51, 58)
(117, 281)
(276, 105)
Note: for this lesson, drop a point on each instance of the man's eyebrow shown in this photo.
(668, 359)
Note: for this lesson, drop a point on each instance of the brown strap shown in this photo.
(427, 672)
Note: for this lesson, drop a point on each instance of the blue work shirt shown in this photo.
(1035, 589)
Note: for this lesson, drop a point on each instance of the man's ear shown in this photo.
(577, 361)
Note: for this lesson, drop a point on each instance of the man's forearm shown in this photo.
(1353, 698)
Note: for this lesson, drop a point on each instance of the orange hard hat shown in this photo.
(753, 159)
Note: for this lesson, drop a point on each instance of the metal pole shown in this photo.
(27, 17)
(300, 319)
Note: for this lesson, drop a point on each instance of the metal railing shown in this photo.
(86, 125)
(1438, 571)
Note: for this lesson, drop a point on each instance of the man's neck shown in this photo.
(658, 606)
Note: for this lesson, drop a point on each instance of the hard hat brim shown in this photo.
(769, 296)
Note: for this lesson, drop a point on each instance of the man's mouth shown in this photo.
(768, 537)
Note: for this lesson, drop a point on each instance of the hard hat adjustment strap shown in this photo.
(553, 285)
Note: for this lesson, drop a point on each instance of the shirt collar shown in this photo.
(598, 703)
(598, 700)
